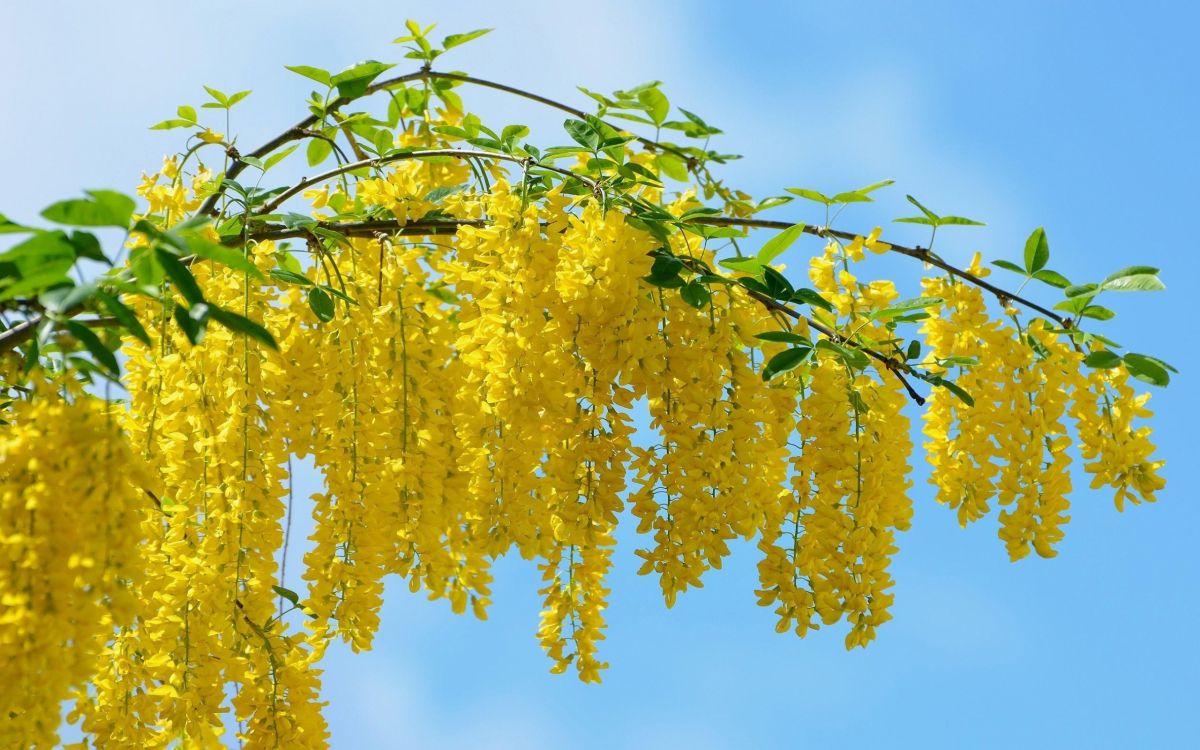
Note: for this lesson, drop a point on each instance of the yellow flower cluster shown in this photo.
(832, 536)
(70, 502)
(1012, 445)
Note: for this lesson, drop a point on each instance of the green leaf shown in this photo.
(1158, 361)
(124, 315)
(783, 337)
(321, 304)
(279, 156)
(1130, 271)
(1037, 251)
(957, 390)
(290, 277)
(103, 208)
(241, 324)
(192, 321)
(95, 347)
(187, 113)
(695, 294)
(666, 266)
(65, 298)
(862, 195)
(179, 274)
(37, 282)
(8, 226)
(1053, 278)
(235, 98)
(1081, 290)
(672, 166)
(354, 80)
(775, 246)
(222, 254)
(1147, 369)
(655, 103)
(916, 220)
(784, 361)
(929, 214)
(913, 351)
(777, 284)
(1138, 282)
(288, 594)
(666, 282)
(958, 360)
(171, 125)
(583, 134)
(219, 97)
(811, 195)
(1009, 266)
(1097, 312)
(1102, 360)
(812, 299)
(852, 356)
(454, 40)
(946, 221)
(318, 151)
(320, 76)
(752, 266)
(900, 308)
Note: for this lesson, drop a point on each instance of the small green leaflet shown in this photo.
(852, 356)
(104, 208)
(752, 266)
(1037, 251)
(317, 74)
(321, 304)
(1102, 360)
(95, 347)
(695, 294)
(241, 324)
(900, 308)
(1148, 369)
(288, 594)
(789, 359)
(783, 337)
(453, 40)
(775, 246)
(354, 80)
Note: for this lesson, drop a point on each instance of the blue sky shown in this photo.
(1076, 116)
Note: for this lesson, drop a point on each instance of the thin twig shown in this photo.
(457, 153)
(897, 367)
(302, 128)
(919, 253)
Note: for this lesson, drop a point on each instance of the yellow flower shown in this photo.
(211, 136)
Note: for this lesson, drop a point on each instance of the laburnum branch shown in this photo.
(426, 154)
(896, 367)
(919, 253)
(303, 129)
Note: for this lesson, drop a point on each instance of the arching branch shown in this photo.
(457, 153)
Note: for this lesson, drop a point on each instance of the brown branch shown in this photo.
(451, 152)
(919, 253)
(896, 367)
(302, 128)
(913, 252)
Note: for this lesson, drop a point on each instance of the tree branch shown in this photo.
(919, 253)
(451, 152)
